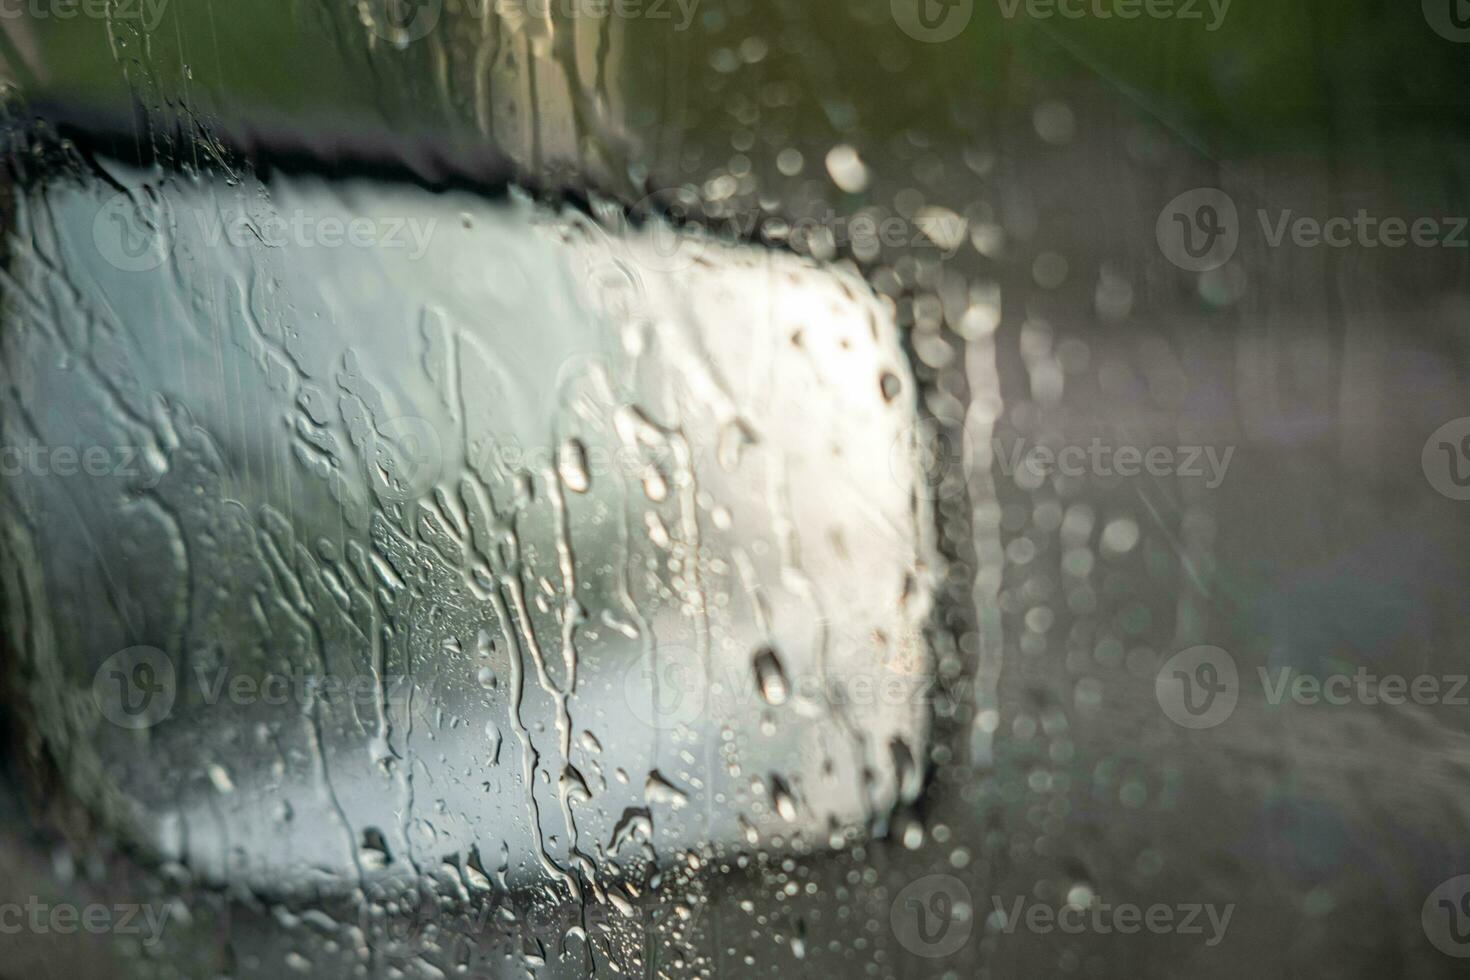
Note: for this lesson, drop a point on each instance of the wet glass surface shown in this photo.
(734, 490)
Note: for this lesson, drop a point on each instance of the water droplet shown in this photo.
(784, 802)
(220, 777)
(657, 789)
(1120, 536)
(889, 384)
(571, 466)
(770, 677)
(847, 169)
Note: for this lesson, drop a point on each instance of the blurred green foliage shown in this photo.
(1273, 76)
